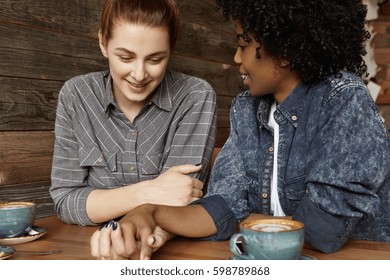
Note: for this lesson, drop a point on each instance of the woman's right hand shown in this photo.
(174, 187)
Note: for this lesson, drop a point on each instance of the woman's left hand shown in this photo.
(135, 237)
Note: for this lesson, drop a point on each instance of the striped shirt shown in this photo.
(97, 147)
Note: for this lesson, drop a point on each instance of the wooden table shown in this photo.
(74, 241)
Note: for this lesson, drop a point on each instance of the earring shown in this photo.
(284, 63)
(258, 55)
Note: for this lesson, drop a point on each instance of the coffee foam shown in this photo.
(12, 205)
(270, 227)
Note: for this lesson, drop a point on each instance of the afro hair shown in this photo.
(317, 37)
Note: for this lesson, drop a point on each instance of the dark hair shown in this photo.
(154, 13)
(317, 37)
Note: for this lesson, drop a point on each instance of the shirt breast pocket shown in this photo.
(151, 164)
(101, 167)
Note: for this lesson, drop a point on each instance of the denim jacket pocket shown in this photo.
(295, 190)
(151, 164)
(294, 177)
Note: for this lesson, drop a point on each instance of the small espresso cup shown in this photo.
(269, 239)
(16, 218)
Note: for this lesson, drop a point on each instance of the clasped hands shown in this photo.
(136, 235)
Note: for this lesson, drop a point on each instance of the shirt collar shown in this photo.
(162, 97)
(108, 98)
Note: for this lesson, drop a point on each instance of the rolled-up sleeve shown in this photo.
(223, 217)
(69, 188)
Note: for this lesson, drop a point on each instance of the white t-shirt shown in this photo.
(276, 208)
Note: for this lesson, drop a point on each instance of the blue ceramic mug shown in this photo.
(16, 218)
(268, 239)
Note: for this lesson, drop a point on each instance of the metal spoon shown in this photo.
(39, 252)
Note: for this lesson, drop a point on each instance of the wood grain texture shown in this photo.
(27, 104)
(25, 157)
(71, 16)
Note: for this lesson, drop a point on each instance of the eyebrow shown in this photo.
(246, 38)
(152, 54)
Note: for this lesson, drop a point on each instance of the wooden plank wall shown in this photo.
(44, 43)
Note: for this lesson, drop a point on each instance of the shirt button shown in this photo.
(264, 195)
(100, 159)
(132, 168)
(150, 103)
(271, 149)
(294, 118)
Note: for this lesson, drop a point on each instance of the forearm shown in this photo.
(190, 221)
(103, 205)
(173, 187)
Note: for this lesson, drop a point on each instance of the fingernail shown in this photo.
(154, 240)
(198, 164)
(114, 225)
(108, 224)
(102, 226)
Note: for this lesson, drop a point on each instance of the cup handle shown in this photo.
(233, 246)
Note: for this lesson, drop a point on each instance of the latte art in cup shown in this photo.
(268, 239)
(270, 227)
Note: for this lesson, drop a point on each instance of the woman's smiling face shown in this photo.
(138, 58)
(263, 75)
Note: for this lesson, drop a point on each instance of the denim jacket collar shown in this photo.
(289, 110)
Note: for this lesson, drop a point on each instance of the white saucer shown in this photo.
(306, 257)
(301, 257)
(37, 232)
(6, 252)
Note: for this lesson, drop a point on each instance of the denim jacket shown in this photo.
(333, 160)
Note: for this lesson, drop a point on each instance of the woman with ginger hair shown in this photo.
(137, 133)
